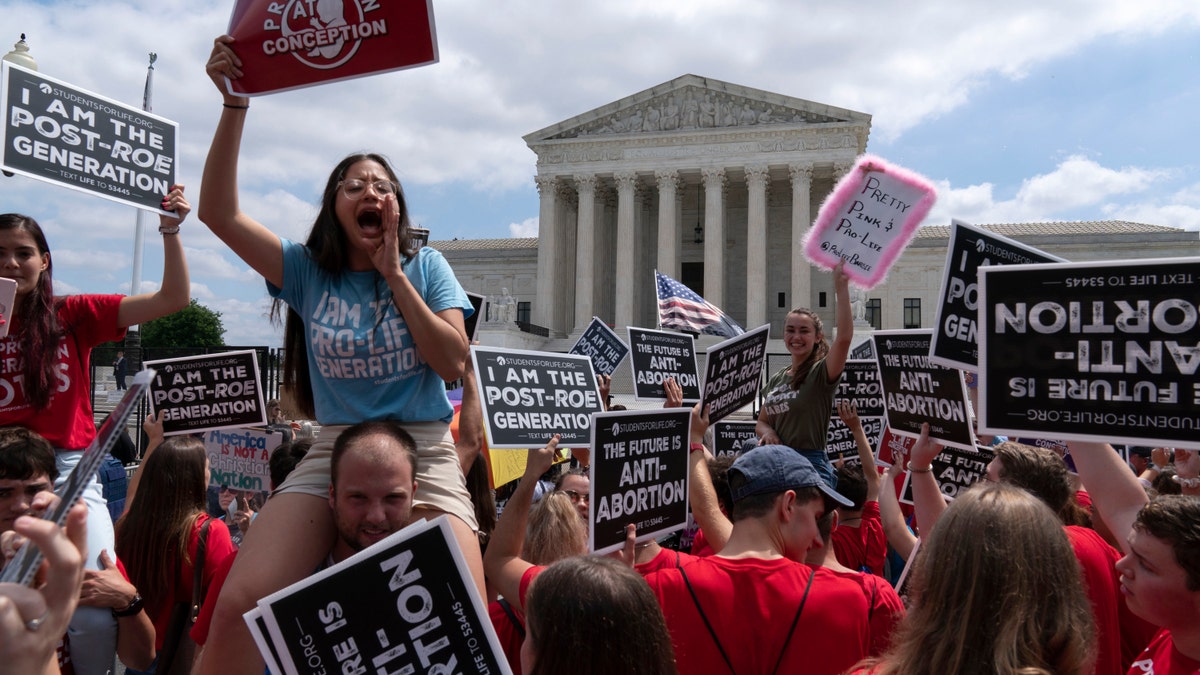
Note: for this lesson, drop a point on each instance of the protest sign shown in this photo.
(656, 355)
(733, 372)
(1100, 351)
(602, 345)
(955, 338)
(639, 475)
(471, 323)
(55, 132)
(24, 565)
(8, 295)
(860, 385)
(893, 447)
(728, 437)
(405, 604)
(868, 219)
(840, 442)
(528, 397)
(864, 350)
(916, 390)
(240, 458)
(300, 43)
(508, 465)
(955, 470)
(213, 391)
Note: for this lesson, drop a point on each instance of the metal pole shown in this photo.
(133, 338)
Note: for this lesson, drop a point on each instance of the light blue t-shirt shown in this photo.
(362, 358)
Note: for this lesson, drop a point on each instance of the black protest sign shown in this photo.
(1103, 351)
(728, 437)
(860, 385)
(213, 391)
(955, 470)
(656, 355)
(405, 604)
(955, 338)
(600, 343)
(56, 132)
(733, 372)
(639, 475)
(528, 397)
(916, 390)
(864, 350)
(840, 442)
(471, 323)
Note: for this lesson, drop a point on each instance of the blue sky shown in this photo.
(1019, 111)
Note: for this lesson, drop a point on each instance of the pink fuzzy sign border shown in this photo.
(868, 219)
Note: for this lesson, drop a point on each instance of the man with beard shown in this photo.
(372, 485)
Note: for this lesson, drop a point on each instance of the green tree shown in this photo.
(192, 326)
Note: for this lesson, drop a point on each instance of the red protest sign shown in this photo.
(288, 44)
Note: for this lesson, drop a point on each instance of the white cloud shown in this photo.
(525, 228)
(1076, 183)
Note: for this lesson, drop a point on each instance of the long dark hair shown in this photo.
(37, 314)
(329, 248)
(152, 537)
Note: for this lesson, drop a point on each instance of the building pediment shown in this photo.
(695, 104)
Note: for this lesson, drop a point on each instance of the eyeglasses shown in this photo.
(225, 488)
(354, 188)
(577, 497)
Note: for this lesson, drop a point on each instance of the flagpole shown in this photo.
(133, 339)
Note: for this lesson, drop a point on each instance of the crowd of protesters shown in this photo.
(793, 568)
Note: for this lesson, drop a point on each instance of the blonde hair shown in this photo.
(997, 590)
(554, 531)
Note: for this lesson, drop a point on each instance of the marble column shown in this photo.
(626, 181)
(568, 203)
(668, 231)
(585, 250)
(757, 178)
(801, 287)
(714, 235)
(545, 312)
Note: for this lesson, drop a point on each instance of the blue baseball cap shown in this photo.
(768, 469)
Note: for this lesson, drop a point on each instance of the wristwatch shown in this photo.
(134, 607)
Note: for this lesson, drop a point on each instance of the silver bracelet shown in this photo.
(1189, 483)
(168, 230)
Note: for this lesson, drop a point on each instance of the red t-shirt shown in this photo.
(751, 603)
(1161, 657)
(1097, 562)
(886, 608)
(700, 546)
(509, 633)
(67, 422)
(665, 559)
(220, 547)
(863, 547)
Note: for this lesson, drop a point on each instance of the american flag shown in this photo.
(680, 308)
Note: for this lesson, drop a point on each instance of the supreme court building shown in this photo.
(716, 184)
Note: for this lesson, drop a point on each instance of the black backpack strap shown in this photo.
(707, 625)
(512, 616)
(791, 631)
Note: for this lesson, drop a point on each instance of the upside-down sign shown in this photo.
(288, 44)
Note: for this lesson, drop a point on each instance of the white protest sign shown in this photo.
(868, 219)
(240, 458)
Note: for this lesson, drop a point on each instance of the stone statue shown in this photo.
(652, 119)
(670, 116)
(691, 112)
(508, 306)
(858, 304)
(708, 112)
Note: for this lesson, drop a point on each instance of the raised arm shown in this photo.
(848, 412)
(1114, 490)
(470, 420)
(899, 537)
(502, 563)
(153, 426)
(706, 509)
(175, 291)
(839, 349)
(260, 248)
(928, 501)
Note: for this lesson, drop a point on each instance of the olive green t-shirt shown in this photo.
(801, 416)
